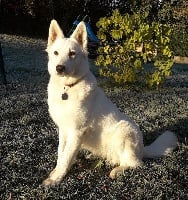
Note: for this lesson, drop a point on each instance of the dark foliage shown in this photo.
(2, 68)
(32, 17)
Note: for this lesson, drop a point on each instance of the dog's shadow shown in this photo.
(180, 128)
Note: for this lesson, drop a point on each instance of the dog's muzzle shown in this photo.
(60, 69)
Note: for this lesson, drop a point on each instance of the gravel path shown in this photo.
(28, 139)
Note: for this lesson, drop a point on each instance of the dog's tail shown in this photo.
(162, 146)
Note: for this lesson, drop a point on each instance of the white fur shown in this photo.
(162, 146)
(88, 119)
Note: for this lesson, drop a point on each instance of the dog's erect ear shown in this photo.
(54, 32)
(80, 34)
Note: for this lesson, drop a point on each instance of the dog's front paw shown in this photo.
(54, 178)
(49, 182)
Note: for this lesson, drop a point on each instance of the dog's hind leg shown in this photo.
(128, 148)
(117, 171)
(124, 166)
(128, 159)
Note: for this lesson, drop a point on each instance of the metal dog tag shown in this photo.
(64, 96)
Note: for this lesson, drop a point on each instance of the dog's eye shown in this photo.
(72, 53)
(56, 53)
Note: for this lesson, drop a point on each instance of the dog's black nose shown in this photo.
(60, 69)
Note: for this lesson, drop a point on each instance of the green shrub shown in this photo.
(128, 42)
(179, 40)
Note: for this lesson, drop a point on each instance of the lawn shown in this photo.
(29, 140)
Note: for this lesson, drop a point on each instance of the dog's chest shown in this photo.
(67, 107)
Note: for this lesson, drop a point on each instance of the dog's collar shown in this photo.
(73, 84)
(64, 95)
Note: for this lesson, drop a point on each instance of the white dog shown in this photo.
(86, 118)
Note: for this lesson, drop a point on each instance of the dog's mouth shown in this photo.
(61, 74)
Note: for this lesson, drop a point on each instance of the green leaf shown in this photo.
(138, 63)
